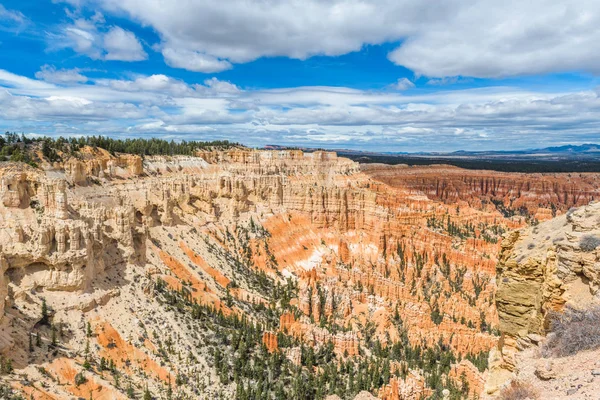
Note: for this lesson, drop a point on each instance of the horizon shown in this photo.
(274, 146)
(385, 77)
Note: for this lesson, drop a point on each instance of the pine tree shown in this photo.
(130, 391)
(7, 366)
(147, 394)
(54, 340)
(44, 319)
(169, 390)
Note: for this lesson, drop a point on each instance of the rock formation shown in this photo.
(304, 250)
(540, 270)
(541, 195)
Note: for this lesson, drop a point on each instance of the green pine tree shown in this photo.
(147, 394)
(44, 319)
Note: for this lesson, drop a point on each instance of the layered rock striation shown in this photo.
(542, 269)
(313, 251)
(540, 195)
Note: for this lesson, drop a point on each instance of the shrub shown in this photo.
(80, 379)
(572, 331)
(589, 242)
(519, 390)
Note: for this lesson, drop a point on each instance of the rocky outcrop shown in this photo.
(413, 387)
(286, 162)
(14, 189)
(99, 164)
(51, 245)
(542, 195)
(541, 269)
(344, 343)
(269, 339)
(356, 262)
(465, 373)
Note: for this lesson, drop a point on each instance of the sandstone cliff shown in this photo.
(146, 262)
(542, 269)
(540, 195)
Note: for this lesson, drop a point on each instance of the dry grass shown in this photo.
(519, 390)
(573, 331)
(589, 242)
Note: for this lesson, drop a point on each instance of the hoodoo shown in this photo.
(205, 272)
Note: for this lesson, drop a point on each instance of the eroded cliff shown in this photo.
(540, 196)
(541, 270)
(154, 271)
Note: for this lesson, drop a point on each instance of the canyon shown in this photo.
(238, 273)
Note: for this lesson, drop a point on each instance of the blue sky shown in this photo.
(388, 75)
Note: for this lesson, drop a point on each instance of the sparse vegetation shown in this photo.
(45, 318)
(519, 390)
(6, 366)
(6, 392)
(573, 331)
(589, 242)
(80, 379)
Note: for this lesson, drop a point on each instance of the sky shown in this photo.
(385, 75)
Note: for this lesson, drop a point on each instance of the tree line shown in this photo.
(13, 147)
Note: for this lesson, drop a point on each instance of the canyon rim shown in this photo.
(299, 200)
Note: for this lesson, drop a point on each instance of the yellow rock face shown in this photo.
(540, 269)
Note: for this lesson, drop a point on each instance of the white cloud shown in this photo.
(157, 83)
(403, 84)
(218, 87)
(49, 73)
(9, 80)
(494, 117)
(495, 39)
(447, 80)
(11, 15)
(123, 45)
(163, 85)
(91, 38)
(194, 60)
(487, 38)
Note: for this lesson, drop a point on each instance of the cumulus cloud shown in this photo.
(90, 37)
(494, 117)
(49, 73)
(152, 83)
(497, 39)
(194, 60)
(218, 87)
(122, 45)
(455, 38)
